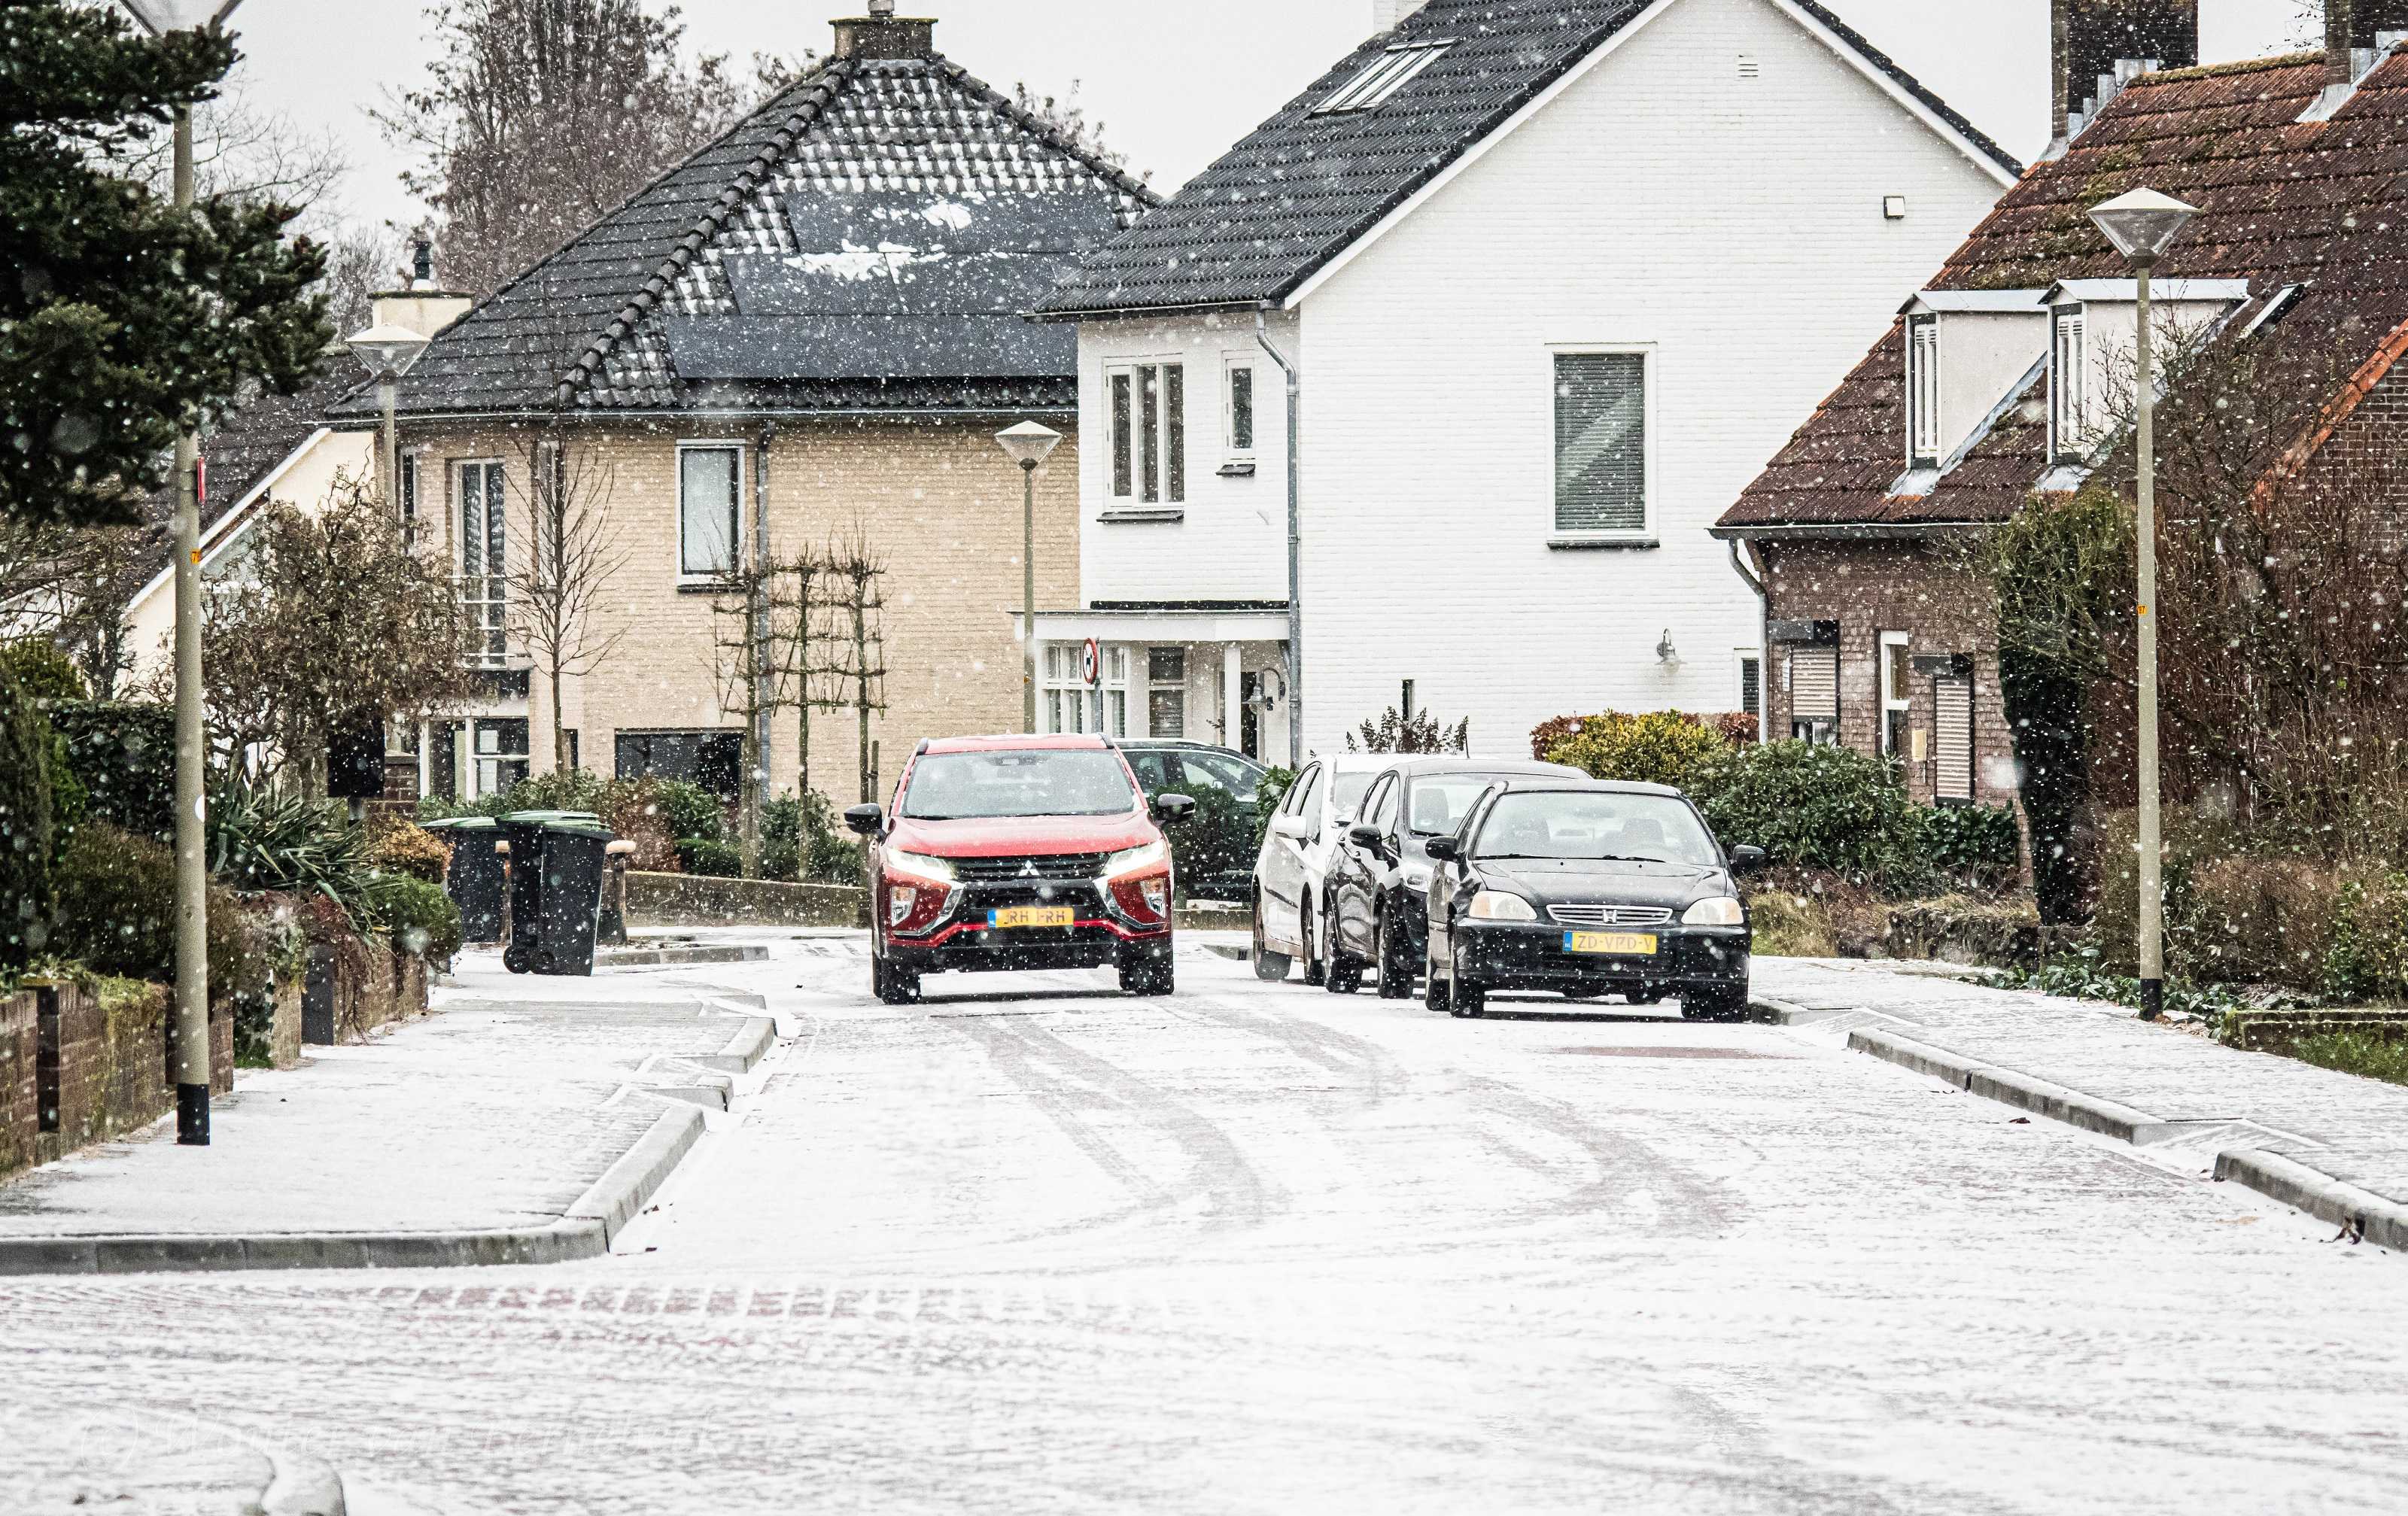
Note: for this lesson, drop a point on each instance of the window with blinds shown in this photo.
(1601, 442)
(1952, 739)
(1814, 695)
(1922, 390)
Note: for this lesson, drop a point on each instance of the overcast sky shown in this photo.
(1176, 81)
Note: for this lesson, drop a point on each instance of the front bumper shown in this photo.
(1524, 956)
(963, 943)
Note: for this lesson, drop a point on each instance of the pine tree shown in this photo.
(121, 323)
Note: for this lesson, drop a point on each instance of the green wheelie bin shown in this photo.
(477, 879)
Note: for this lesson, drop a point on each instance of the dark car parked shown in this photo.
(1377, 889)
(1216, 845)
(1600, 889)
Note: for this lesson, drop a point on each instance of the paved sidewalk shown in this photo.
(522, 1123)
(2334, 1145)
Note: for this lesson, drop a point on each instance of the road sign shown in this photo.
(1091, 664)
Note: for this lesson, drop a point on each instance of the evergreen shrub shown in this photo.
(28, 837)
(1661, 747)
(117, 910)
(710, 858)
(419, 918)
(1978, 847)
(1808, 807)
(122, 758)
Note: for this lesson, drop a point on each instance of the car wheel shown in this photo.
(1146, 971)
(1345, 970)
(1269, 965)
(1466, 997)
(892, 985)
(1715, 1003)
(1435, 994)
(1315, 971)
(1396, 970)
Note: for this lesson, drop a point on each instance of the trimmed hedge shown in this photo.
(419, 917)
(710, 858)
(1661, 747)
(1808, 807)
(28, 839)
(1980, 846)
(117, 911)
(123, 757)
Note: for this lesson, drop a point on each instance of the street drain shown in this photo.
(1671, 1052)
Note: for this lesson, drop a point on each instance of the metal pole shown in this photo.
(1028, 595)
(191, 1071)
(389, 396)
(1295, 545)
(2153, 926)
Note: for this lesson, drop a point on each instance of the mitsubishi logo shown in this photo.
(1028, 869)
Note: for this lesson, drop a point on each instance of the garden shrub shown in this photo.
(710, 858)
(28, 837)
(1808, 806)
(410, 851)
(693, 813)
(801, 842)
(1212, 841)
(262, 837)
(1271, 789)
(2260, 921)
(418, 917)
(2368, 959)
(2188, 841)
(1977, 847)
(123, 760)
(117, 909)
(43, 670)
(1661, 747)
(1737, 727)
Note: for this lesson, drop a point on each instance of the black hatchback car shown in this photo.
(1216, 845)
(1380, 873)
(1598, 889)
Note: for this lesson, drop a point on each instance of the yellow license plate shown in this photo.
(1621, 944)
(1033, 915)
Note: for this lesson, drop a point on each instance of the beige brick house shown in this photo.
(808, 333)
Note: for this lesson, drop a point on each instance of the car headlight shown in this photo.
(1129, 860)
(921, 866)
(1496, 906)
(898, 904)
(1715, 910)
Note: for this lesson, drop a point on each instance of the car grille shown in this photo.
(1610, 915)
(1080, 867)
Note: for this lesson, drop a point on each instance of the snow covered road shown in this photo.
(1032, 1247)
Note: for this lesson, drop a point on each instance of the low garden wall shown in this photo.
(79, 1066)
(1984, 936)
(694, 900)
(353, 988)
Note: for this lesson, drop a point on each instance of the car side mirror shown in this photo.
(1745, 859)
(1368, 838)
(1443, 848)
(1292, 827)
(1174, 808)
(869, 820)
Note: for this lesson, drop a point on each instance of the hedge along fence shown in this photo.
(695, 900)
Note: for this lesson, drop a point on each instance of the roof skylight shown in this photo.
(1388, 74)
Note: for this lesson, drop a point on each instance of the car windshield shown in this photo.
(1346, 793)
(1595, 826)
(1219, 771)
(1441, 801)
(962, 786)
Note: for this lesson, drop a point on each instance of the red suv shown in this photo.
(1018, 852)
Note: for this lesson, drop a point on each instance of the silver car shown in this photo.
(1289, 873)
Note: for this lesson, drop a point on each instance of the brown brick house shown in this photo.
(1991, 387)
(807, 332)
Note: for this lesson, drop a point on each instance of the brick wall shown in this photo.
(1873, 587)
(111, 1062)
(20, 1111)
(936, 497)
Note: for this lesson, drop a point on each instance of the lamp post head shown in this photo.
(386, 350)
(160, 17)
(2143, 223)
(1028, 444)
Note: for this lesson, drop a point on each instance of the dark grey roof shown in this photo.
(1303, 188)
(984, 204)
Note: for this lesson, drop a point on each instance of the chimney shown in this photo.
(2096, 47)
(881, 33)
(1387, 15)
(2356, 35)
(422, 306)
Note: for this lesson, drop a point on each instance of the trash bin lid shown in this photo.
(461, 824)
(540, 817)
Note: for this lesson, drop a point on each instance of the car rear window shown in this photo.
(964, 786)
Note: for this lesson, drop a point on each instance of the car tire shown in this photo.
(1269, 967)
(1467, 998)
(1396, 970)
(1718, 1003)
(1147, 972)
(1436, 992)
(892, 985)
(1316, 973)
(1345, 974)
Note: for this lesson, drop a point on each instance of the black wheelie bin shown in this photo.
(475, 878)
(556, 868)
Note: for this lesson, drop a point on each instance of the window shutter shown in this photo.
(1952, 739)
(1750, 686)
(1600, 442)
(1923, 388)
(1814, 684)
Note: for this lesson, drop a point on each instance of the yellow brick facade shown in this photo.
(937, 498)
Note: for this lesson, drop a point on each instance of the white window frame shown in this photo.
(1232, 448)
(483, 596)
(1165, 436)
(2068, 381)
(1740, 658)
(1898, 645)
(1378, 80)
(1923, 439)
(1646, 353)
(1154, 687)
(739, 545)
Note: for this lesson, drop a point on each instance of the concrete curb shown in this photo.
(302, 1485)
(584, 1232)
(2295, 1184)
(745, 1049)
(742, 953)
(2281, 1178)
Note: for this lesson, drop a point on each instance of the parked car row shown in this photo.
(1472, 876)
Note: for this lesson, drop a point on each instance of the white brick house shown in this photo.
(1558, 277)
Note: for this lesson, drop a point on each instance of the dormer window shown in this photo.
(1388, 74)
(1922, 390)
(2068, 385)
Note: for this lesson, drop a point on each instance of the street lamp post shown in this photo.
(191, 1070)
(1028, 444)
(2142, 225)
(387, 352)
